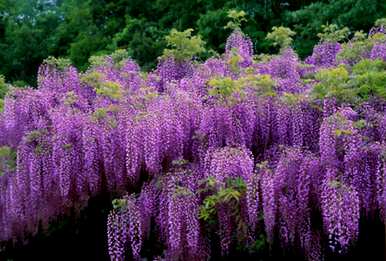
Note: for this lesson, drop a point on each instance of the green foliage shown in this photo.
(307, 21)
(110, 89)
(92, 79)
(180, 162)
(281, 36)
(335, 184)
(26, 34)
(378, 38)
(230, 194)
(359, 36)
(292, 98)
(360, 124)
(380, 22)
(183, 45)
(99, 114)
(143, 39)
(70, 99)
(367, 65)
(67, 146)
(262, 84)
(3, 87)
(118, 57)
(3, 91)
(333, 76)
(236, 18)
(353, 51)
(368, 79)
(7, 159)
(119, 203)
(260, 244)
(210, 26)
(59, 63)
(102, 87)
(342, 125)
(33, 30)
(224, 87)
(106, 115)
(181, 191)
(83, 48)
(35, 135)
(229, 90)
(234, 60)
(332, 33)
(342, 132)
(333, 83)
(97, 60)
(19, 84)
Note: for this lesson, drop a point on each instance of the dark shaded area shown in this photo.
(371, 243)
(83, 238)
(77, 238)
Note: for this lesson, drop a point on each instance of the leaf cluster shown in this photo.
(183, 45)
(228, 89)
(281, 36)
(367, 79)
(236, 18)
(332, 33)
(230, 195)
(7, 159)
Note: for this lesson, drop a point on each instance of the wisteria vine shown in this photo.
(219, 152)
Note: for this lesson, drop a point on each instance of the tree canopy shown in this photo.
(32, 30)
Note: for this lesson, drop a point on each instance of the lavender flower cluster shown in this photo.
(167, 132)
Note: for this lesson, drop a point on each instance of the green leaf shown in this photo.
(332, 33)
(183, 45)
(281, 36)
(236, 17)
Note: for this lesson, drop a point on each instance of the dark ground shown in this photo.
(84, 239)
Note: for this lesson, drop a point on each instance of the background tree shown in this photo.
(32, 30)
